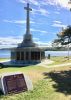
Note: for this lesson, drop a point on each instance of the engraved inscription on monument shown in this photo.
(14, 83)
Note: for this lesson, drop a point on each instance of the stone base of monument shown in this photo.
(15, 83)
(19, 63)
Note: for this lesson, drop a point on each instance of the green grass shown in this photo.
(2, 59)
(60, 60)
(43, 90)
(43, 85)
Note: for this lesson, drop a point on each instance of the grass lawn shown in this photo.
(3, 59)
(60, 60)
(49, 84)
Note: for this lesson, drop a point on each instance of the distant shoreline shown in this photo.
(7, 53)
(48, 48)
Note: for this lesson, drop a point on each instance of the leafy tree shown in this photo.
(64, 37)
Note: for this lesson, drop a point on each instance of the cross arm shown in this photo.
(28, 8)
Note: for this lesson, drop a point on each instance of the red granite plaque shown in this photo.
(15, 83)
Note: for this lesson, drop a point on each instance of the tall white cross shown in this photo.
(28, 19)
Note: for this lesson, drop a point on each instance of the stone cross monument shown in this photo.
(27, 20)
(27, 41)
(27, 52)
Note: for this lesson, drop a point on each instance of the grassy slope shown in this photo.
(60, 60)
(43, 85)
(42, 90)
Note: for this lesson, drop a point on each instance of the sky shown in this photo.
(47, 19)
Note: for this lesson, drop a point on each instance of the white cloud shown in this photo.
(37, 3)
(56, 21)
(58, 24)
(61, 3)
(34, 2)
(41, 11)
(57, 12)
(44, 44)
(10, 41)
(16, 21)
(41, 31)
(21, 1)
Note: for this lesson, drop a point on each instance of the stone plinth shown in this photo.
(15, 83)
(30, 55)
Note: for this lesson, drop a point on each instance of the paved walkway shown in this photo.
(46, 62)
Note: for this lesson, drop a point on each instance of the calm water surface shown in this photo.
(6, 53)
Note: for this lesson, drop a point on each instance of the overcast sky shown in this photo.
(47, 19)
